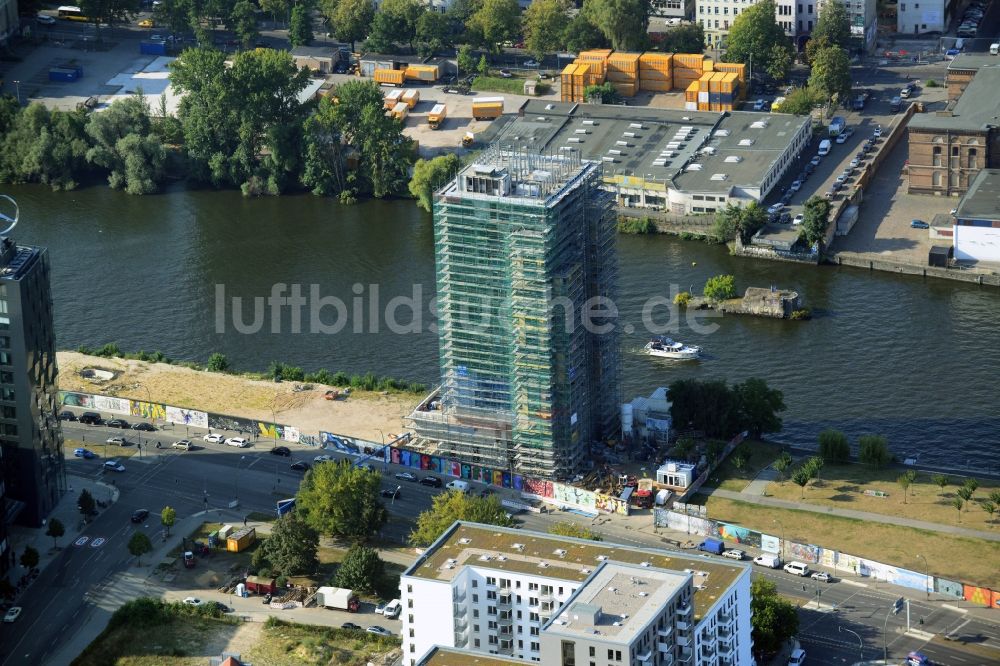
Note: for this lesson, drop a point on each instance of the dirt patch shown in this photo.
(364, 414)
(289, 644)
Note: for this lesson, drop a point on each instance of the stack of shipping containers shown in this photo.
(655, 73)
(688, 67)
(740, 70)
(623, 72)
(573, 82)
(691, 96)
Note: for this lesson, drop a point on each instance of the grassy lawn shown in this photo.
(758, 455)
(290, 644)
(956, 558)
(99, 448)
(331, 556)
(513, 86)
(844, 486)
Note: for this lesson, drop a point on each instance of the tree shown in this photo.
(433, 33)
(604, 93)
(623, 22)
(905, 480)
(29, 558)
(568, 529)
(742, 221)
(465, 60)
(801, 477)
(834, 447)
(965, 493)
(941, 481)
(291, 548)
(404, 15)
(351, 19)
(958, 503)
(815, 220)
(139, 545)
(990, 508)
(341, 500)
(781, 465)
(244, 20)
(873, 450)
(831, 73)
(483, 67)
(800, 101)
(108, 11)
(42, 146)
(814, 465)
(217, 362)
(687, 38)
(448, 507)
(495, 22)
(758, 406)
(739, 462)
(756, 36)
(300, 31)
(119, 138)
(86, 503)
(430, 175)
(55, 530)
(581, 34)
(545, 24)
(971, 483)
(278, 9)
(995, 496)
(709, 406)
(720, 287)
(168, 516)
(773, 619)
(362, 569)
(833, 25)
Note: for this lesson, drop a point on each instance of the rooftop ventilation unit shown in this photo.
(565, 148)
(616, 623)
(673, 145)
(612, 588)
(686, 128)
(612, 151)
(659, 163)
(644, 594)
(635, 125)
(746, 142)
(693, 167)
(502, 558)
(485, 558)
(721, 132)
(541, 119)
(621, 143)
(543, 565)
(518, 546)
(630, 135)
(581, 131)
(575, 139)
(708, 150)
(734, 159)
(602, 557)
(719, 176)
(760, 124)
(585, 570)
(589, 122)
(464, 541)
(608, 159)
(549, 107)
(451, 560)
(685, 117)
(645, 564)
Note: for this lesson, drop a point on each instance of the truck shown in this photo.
(411, 97)
(769, 561)
(859, 103)
(837, 125)
(399, 112)
(189, 560)
(712, 546)
(389, 77)
(392, 98)
(437, 116)
(487, 108)
(338, 598)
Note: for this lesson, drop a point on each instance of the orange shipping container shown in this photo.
(597, 54)
(656, 86)
(392, 77)
(655, 75)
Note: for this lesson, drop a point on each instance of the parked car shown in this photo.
(322, 458)
(117, 423)
(532, 63)
(300, 466)
(350, 626)
(119, 441)
(214, 438)
(816, 160)
(240, 442)
(139, 515)
(12, 614)
(222, 607)
(855, 163)
(775, 208)
(146, 23)
(145, 427)
(193, 601)
(797, 568)
(381, 631)
(391, 493)
(45, 19)
(797, 658)
(759, 105)
(734, 554)
(504, 73)
(91, 418)
(86, 454)
(878, 131)
(919, 224)
(795, 186)
(114, 466)
(67, 415)
(183, 444)
(821, 576)
(431, 481)
(798, 219)
(281, 451)
(406, 476)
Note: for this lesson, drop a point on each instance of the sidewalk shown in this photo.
(67, 513)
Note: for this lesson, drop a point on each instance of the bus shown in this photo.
(71, 13)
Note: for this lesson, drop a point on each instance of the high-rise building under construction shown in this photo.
(526, 268)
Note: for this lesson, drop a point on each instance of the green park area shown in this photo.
(744, 464)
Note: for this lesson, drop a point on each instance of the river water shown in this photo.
(915, 360)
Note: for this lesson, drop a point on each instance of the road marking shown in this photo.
(98, 542)
(955, 608)
(844, 581)
(82, 541)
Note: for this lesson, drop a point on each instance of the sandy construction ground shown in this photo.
(362, 415)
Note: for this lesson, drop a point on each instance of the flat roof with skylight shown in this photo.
(618, 602)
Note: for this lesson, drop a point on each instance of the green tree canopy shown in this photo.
(833, 25)
(687, 38)
(466, 60)
(55, 530)
(323, 169)
(708, 406)
(568, 529)
(300, 32)
(244, 22)
(429, 175)
(815, 221)
(86, 503)
(800, 102)
(361, 570)
(781, 464)
(873, 450)
(758, 406)
(720, 287)
(434, 33)
(139, 545)
(756, 35)
(448, 507)
(831, 73)
(341, 500)
(217, 362)
(773, 619)
(623, 22)
(581, 34)
(168, 516)
(495, 22)
(351, 19)
(291, 548)
(833, 446)
(42, 146)
(545, 24)
(29, 558)
(742, 221)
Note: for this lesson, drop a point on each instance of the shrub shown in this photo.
(636, 225)
(873, 450)
(833, 446)
(720, 287)
(801, 314)
(931, 83)
(682, 299)
(217, 363)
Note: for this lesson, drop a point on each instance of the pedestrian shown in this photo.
(244, 521)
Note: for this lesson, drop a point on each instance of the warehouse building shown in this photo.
(490, 595)
(977, 219)
(684, 162)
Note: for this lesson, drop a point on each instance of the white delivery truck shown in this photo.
(769, 561)
(338, 598)
(461, 486)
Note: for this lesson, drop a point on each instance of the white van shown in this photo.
(392, 609)
(797, 568)
(824, 147)
(461, 486)
(769, 561)
(995, 49)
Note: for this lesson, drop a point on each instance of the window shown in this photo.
(593, 651)
(973, 164)
(477, 642)
(475, 612)
(936, 159)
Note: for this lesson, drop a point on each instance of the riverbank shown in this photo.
(365, 414)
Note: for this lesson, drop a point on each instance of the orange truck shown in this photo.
(437, 115)
(411, 97)
(487, 108)
(399, 112)
(392, 98)
(390, 77)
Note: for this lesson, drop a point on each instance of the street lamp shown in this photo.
(927, 578)
(17, 87)
(861, 643)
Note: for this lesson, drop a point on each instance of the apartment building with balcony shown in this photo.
(488, 595)
(717, 17)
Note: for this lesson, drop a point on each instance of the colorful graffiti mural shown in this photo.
(740, 535)
(148, 410)
(71, 399)
(114, 405)
(803, 552)
(187, 417)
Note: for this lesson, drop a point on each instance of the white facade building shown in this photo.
(717, 16)
(863, 17)
(510, 596)
(675, 474)
(915, 18)
(977, 220)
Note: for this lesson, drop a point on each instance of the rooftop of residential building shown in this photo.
(982, 200)
(654, 146)
(617, 602)
(562, 558)
(977, 109)
(446, 656)
(973, 61)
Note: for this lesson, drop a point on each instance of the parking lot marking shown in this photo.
(98, 542)
(82, 541)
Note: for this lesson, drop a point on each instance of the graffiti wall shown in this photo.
(148, 410)
(770, 544)
(187, 417)
(114, 405)
(803, 552)
(950, 587)
(740, 535)
(72, 399)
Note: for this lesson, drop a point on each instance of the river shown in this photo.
(915, 360)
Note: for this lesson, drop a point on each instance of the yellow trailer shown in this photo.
(411, 97)
(400, 111)
(487, 108)
(392, 98)
(425, 73)
(389, 77)
(437, 115)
